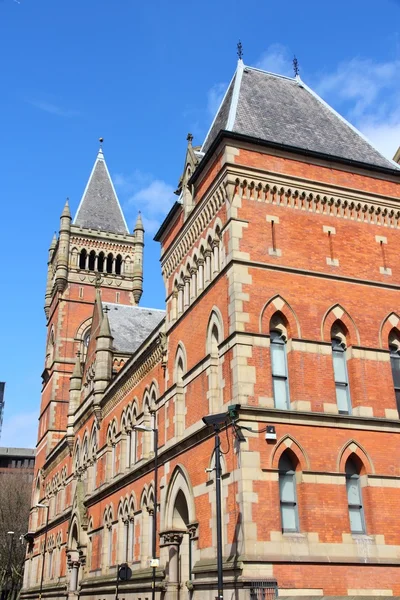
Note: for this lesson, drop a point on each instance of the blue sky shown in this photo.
(142, 75)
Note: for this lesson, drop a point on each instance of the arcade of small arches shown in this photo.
(201, 268)
(100, 262)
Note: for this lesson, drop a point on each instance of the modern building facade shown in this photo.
(2, 388)
(282, 280)
(17, 460)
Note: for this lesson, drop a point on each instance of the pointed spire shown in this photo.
(105, 329)
(77, 372)
(66, 212)
(99, 208)
(53, 242)
(139, 223)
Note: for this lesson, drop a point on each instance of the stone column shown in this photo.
(193, 283)
(186, 296)
(73, 582)
(216, 256)
(200, 276)
(173, 540)
(207, 255)
(180, 298)
(174, 305)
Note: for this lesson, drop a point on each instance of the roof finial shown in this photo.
(295, 66)
(189, 138)
(101, 140)
(240, 50)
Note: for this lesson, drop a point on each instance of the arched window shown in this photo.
(394, 347)
(85, 345)
(92, 260)
(118, 264)
(354, 496)
(109, 266)
(287, 494)
(82, 259)
(279, 368)
(340, 370)
(100, 262)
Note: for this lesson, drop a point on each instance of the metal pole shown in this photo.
(117, 586)
(219, 521)
(44, 553)
(9, 566)
(154, 544)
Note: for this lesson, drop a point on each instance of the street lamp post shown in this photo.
(9, 565)
(217, 421)
(44, 546)
(154, 562)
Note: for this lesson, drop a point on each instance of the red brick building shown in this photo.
(282, 279)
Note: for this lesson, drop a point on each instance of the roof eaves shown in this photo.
(339, 116)
(168, 219)
(235, 96)
(294, 149)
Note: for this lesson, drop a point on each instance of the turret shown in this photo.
(63, 249)
(49, 284)
(104, 360)
(74, 396)
(138, 259)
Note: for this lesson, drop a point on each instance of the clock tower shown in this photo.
(94, 251)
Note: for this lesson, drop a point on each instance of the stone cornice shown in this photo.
(82, 233)
(308, 273)
(319, 198)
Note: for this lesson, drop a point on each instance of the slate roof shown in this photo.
(99, 208)
(131, 325)
(282, 110)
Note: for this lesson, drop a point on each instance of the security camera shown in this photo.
(218, 419)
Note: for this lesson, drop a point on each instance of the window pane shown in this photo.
(395, 362)
(356, 521)
(288, 517)
(339, 366)
(397, 392)
(353, 491)
(342, 398)
(286, 485)
(280, 393)
(278, 352)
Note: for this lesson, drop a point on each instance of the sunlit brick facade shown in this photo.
(282, 278)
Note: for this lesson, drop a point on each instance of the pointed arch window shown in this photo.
(354, 497)
(280, 376)
(341, 375)
(118, 265)
(394, 347)
(100, 262)
(287, 494)
(82, 259)
(109, 265)
(92, 260)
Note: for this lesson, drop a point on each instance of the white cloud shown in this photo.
(276, 59)
(54, 109)
(20, 430)
(367, 93)
(153, 197)
(214, 97)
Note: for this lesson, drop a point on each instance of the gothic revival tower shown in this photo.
(95, 251)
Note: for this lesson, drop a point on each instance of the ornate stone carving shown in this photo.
(172, 538)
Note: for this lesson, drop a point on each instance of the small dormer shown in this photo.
(185, 190)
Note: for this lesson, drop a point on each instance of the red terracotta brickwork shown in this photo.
(264, 278)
